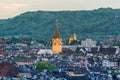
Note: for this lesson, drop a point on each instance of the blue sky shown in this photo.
(11, 8)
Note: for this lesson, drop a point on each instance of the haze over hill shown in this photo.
(41, 24)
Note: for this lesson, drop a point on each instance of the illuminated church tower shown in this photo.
(74, 38)
(57, 41)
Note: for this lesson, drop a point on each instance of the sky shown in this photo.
(11, 8)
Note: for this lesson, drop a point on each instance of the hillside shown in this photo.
(41, 24)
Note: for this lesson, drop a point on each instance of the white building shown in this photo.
(45, 51)
(106, 63)
(21, 44)
(88, 43)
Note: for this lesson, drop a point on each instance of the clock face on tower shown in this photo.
(57, 42)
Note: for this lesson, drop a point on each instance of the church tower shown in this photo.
(75, 37)
(70, 40)
(57, 41)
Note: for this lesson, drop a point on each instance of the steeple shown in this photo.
(57, 41)
(57, 34)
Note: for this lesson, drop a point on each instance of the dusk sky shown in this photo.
(10, 8)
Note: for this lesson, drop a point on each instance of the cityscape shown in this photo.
(50, 50)
(29, 59)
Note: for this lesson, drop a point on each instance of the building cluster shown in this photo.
(87, 61)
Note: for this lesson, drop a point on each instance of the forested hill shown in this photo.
(41, 24)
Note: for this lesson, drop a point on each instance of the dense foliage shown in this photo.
(41, 24)
(118, 61)
(45, 65)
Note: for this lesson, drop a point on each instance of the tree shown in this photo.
(45, 65)
(20, 77)
(118, 61)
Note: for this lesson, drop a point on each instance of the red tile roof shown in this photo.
(8, 70)
(2, 53)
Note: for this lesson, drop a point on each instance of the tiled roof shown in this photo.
(101, 50)
(107, 50)
(8, 70)
(2, 52)
(67, 50)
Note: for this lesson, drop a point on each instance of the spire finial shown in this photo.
(56, 21)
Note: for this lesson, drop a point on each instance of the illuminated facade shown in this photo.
(74, 38)
(57, 41)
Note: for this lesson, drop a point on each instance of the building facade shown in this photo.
(74, 38)
(88, 43)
